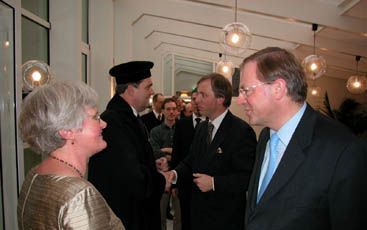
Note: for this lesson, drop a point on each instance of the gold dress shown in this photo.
(63, 202)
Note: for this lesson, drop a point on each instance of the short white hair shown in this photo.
(51, 108)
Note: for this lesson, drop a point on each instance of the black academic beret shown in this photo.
(131, 72)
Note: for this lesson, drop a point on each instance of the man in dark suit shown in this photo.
(220, 159)
(154, 117)
(310, 171)
(184, 134)
(125, 172)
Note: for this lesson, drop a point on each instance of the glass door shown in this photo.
(8, 135)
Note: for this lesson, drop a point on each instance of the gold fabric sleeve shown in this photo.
(62, 202)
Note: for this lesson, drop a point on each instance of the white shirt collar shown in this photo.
(217, 121)
(134, 111)
(156, 114)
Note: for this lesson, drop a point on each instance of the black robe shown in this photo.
(125, 171)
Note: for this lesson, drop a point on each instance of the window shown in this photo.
(35, 41)
(35, 46)
(85, 41)
(37, 7)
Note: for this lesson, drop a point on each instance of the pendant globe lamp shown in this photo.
(315, 91)
(357, 84)
(224, 67)
(235, 37)
(314, 65)
(35, 73)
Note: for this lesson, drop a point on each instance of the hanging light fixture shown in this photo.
(35, 73)
(314, 65)
(235, 37)
(314, 91)
(357, 84)
(225, 67)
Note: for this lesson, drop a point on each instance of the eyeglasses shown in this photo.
(247, 91)
(96, 117)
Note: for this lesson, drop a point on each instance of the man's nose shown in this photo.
(241, 99)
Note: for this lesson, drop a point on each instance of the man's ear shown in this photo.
(279, 88)
(130, 90)
(220, 100)
(67, 134)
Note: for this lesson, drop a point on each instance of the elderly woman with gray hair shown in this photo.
(61, 121)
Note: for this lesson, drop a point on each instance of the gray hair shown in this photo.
(51, 108)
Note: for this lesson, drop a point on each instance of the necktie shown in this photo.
(160, 117)
(197, 120)
(274, 140)
(210, 132)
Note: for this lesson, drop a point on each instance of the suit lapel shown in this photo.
(219, 137)
(292, 159)
(293, 156)
(260, 152)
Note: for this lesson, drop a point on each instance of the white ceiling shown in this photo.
(191, 28)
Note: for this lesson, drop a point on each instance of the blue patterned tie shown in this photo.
(274, 140)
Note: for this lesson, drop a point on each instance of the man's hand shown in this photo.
(168, 183)
(162, 164)
(171, 176)
(203, 181)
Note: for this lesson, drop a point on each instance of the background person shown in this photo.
(161, 139)
(125, 172)
(310, 171)
(188, 109)
(61, 121)
(154, 117)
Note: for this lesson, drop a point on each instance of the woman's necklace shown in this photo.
(68, 164)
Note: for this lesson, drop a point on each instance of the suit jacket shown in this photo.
(229, 159)
(320, 182)
(125, 171)
(150, 120)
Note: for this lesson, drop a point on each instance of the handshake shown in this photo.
(162, 167)
(203, 181)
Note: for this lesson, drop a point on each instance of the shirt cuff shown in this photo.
(213, 183)
(175, 180)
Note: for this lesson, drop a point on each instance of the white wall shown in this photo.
(101, 40)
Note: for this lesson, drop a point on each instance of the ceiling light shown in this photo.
(225, 67)
(357, 84)
(314, 65)
(314, 91)
(35, 73)
(235, 37)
